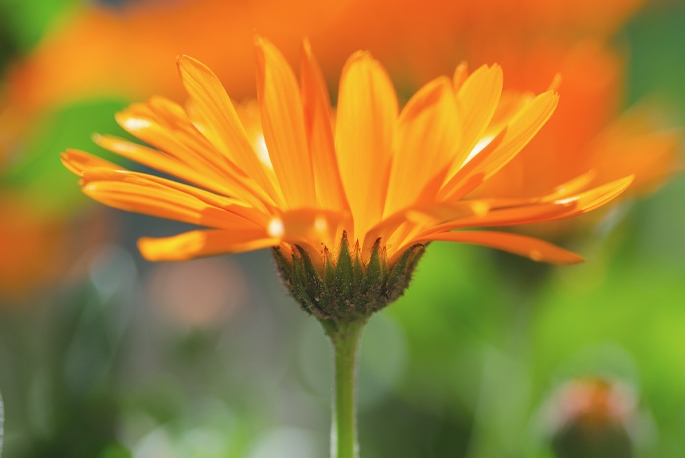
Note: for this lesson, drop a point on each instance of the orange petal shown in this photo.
(529, 247)
(203, 243)
(470, 175)
(148, 129)
(367, 111)
(427, 137)
(221, 123)
(572, 186)
(510, 103)
(460, 75)
(540, 212)
(508, 217)
(173, 119)
(477, 98)
(146, 181)
(78, 162)
(132, 192)
(558, 209)
(283, 124)
(565, 190)
(594, 198)
(519, 131)
(171, 166)
(178, 138)
(317, 116)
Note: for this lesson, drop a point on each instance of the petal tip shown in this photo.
(306, 47)
(261, 42)
(360, 56)
(144, 246)
(555, 83)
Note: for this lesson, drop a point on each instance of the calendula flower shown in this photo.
(347, 206)
(368, 192)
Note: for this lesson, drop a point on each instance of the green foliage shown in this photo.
(38, 172)
(28, 20)
(657, 63)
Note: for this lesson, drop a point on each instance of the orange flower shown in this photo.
(33, 247)
(381, 177)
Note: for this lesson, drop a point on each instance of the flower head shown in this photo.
(355, 199)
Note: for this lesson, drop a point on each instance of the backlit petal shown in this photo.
(147, 128)
(367, 111)
(148, 194)
(428, 134)
(221, 123)
(477, 99)
(519, 131)
(78, 162)
(150, 182)
(529, 247)
(239, 187)
(283, 124)
(203, 243)
(317, 116)
(507, 217)
(594, 198)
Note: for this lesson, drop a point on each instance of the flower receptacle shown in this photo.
(347, 288)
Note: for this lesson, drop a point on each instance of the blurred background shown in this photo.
(105, 355)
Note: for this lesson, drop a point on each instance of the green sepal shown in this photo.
(329, 273)
(299, 282)
(357, 267)
(347, 288)
(344, 278)
(374, 269)
(401, 272)
(313, 284)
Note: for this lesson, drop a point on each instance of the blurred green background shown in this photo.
(117, 357)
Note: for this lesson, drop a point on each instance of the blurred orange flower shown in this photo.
(593, 417)
(33, 247)
(40, 248)
(85, 54)
(379, 175)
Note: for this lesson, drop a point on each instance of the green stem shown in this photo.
(345, 338)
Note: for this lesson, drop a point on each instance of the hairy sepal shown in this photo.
(346, 289)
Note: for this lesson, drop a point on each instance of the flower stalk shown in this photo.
(345, 340)
(342, 291)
